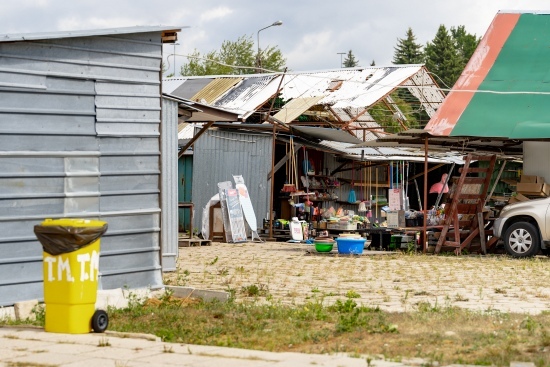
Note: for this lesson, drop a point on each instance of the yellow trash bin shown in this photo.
(70, 268)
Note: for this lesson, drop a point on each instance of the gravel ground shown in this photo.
(394, 281)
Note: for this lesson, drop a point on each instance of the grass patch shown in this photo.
(444, 335)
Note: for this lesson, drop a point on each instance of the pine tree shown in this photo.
(442, 58)
(407, 50)
(350, 60)
(465, 43)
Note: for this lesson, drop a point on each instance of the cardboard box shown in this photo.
(396, 219)
(533, 185)
(343, 226)
(517, 198)
(538, 189)
(396, 199)
(531, 179)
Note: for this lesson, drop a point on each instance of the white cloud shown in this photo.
(216, 13)
(72, 23)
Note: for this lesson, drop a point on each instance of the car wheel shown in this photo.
(522, 240)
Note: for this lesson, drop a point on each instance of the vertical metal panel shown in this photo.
(169, 185)
(218, 155)
(535, 159)
(185, 190)
(79, 137)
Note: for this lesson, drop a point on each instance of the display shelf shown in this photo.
(384, 185)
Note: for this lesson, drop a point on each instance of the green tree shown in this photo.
(350, 61)
(408, 51)
(465, 43)
(234, 57)
(389, 118)
(442, 58)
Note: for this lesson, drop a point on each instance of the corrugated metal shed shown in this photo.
(80, 137)
(235, 153)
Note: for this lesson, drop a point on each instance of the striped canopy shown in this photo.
(504, 91)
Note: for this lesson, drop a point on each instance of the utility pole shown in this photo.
(341, 55)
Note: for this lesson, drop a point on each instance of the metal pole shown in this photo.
(258, 58)
(271, 218)
(174, 60)
(425, 229)
(341, 55)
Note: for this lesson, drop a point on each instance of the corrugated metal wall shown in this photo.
(169, 218)
(79, 137)
(218, 155)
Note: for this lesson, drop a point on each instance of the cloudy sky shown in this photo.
(312, 34)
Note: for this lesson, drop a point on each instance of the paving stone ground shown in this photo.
(396, 281)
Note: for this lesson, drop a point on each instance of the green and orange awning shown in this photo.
(504, 91)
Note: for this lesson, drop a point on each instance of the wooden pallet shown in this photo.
(188, 242)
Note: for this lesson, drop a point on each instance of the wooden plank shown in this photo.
(186, 242)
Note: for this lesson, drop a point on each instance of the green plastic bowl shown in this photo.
(323, 247)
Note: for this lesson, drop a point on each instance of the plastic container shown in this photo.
(350, 245)
(70, 269)
(324, 245)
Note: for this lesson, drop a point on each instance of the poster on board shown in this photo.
(246, 205)
(222, 186)
(236, 220)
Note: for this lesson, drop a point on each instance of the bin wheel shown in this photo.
(100, 321)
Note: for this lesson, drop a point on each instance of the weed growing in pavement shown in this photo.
(254, 290)
(352, 294)
(168, 349)
(39, 312)
(103, 342)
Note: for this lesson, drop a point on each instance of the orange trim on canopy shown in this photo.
(446, 117)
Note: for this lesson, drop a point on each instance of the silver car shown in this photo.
(524, 227)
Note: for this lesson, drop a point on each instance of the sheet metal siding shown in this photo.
(219, 155)
(169, 177)
(73, 146)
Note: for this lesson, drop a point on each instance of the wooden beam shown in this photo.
(192, 141)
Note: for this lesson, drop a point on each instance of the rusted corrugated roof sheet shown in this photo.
(213, 90)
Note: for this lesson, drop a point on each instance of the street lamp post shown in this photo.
(174, 58)
(341, 54)
(258, 58)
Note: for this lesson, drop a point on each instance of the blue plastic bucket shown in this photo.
(350, 245)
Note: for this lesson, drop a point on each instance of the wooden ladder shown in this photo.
(464, 210)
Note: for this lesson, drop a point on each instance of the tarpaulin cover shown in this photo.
(58, 239)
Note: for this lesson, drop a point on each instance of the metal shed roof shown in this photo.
(350, 89)
(504, 90)
(14, 37)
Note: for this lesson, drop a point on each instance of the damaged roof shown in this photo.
(343, 95)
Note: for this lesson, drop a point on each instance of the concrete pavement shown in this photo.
(27, 346)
